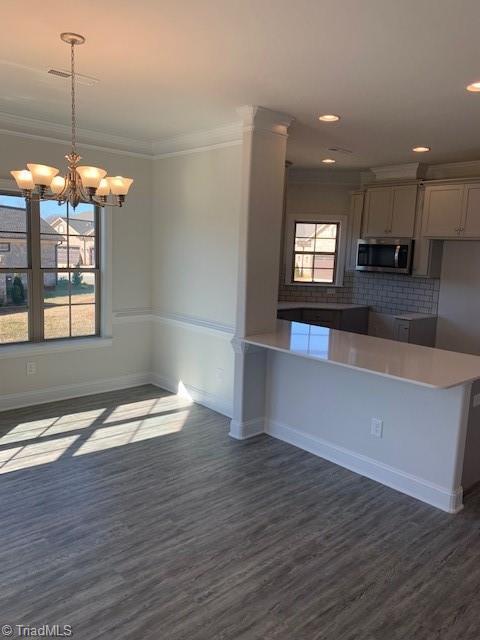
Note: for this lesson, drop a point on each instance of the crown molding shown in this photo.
(59, 133)
(327, 177)
(197, 141)
(408, 171)
(262, 119)
(470, 168)
(218, 137)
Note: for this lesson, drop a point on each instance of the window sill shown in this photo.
(55, 346)
(314, 284)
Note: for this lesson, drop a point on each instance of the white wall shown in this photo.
(304, 197)
(458, 326)
(129, 354)
(195, 234)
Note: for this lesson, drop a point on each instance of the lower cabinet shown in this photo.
(353, 319)
(415, 329)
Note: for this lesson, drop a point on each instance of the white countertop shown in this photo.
(334, 306)
(414, 316)
(400, 360)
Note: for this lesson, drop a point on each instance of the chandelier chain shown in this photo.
(74, 120)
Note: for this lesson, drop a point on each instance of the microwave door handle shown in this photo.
(397, 252)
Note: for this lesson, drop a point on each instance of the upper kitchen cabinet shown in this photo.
(452, 211)
(443, 210)
(390, 211)
(470, 225)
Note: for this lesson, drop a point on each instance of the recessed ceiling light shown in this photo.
(331, 117)
(474, 87)
(328, 161)
(421, 149)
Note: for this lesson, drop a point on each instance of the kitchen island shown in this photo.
(395, 412)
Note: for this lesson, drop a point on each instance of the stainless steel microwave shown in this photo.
(390, 255)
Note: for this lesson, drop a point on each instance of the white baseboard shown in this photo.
(247, 429)
(423, 490)
(66, 391)
(200, 396)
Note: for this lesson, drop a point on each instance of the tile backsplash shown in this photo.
(383, 292)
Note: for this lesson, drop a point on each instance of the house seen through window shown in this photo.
(315, 252)
(49, 270)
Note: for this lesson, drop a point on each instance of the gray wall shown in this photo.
(458, 327)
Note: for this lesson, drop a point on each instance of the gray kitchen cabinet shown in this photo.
(294, 315)
(354, 319)
(390, 211)
(416, 329)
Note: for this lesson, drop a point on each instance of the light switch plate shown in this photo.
(31, 368)
(376, 428)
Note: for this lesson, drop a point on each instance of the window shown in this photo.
(315, 250)
(49, 279)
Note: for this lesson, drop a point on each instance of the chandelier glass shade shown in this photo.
(81, 183)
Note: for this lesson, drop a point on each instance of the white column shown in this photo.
(263, 173)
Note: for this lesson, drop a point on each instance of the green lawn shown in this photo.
(14, 320)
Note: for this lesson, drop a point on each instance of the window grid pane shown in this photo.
(45, 292)
(14, 307)
(69, 300)
(315, 252)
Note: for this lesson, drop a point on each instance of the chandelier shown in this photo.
(81, 183)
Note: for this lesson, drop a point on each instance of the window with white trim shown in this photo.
(50, 278)
(315, 250)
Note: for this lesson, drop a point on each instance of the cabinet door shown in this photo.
(403, 211)
(470, 227)
(323, 317)
(294, 315)
(378, 212)
(443, 210)
(356, 208)
(401, 330)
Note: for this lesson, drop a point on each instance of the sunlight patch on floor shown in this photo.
(51, 426)
(32, 455)
(133, 431)
(146, 407)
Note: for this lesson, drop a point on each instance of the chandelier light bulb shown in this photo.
(103, 188)
(91, 176)
(24, 179)
(119, 185)
(57, 185)
(42, 174)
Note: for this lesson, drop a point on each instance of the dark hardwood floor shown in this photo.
(131, 515)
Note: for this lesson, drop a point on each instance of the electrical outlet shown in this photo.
(220, 373)
(476, 400)
(331, 292)
(376, 428)
(31, 368)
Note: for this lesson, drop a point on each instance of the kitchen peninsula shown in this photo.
(395, 412)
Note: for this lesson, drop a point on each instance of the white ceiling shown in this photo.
(395, 70)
